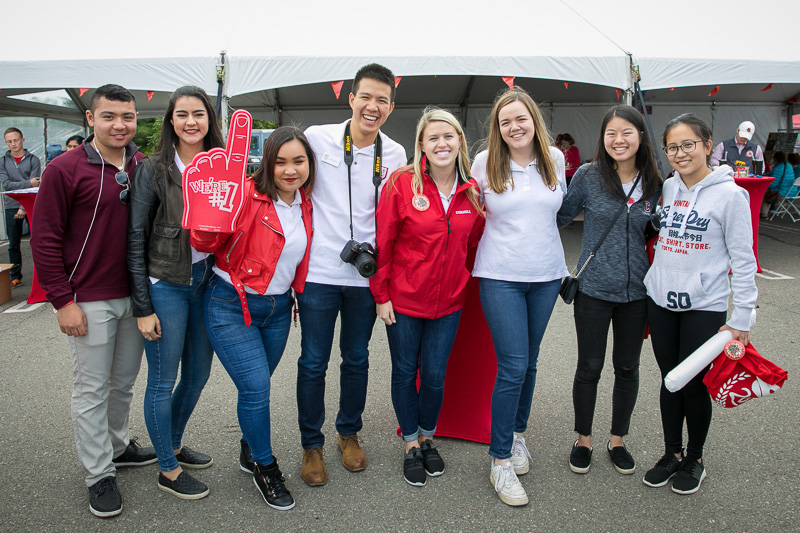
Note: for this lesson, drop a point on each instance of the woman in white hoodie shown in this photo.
(705, 232)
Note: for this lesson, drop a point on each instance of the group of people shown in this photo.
(389, 240)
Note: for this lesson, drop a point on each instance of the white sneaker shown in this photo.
(520, 455)
(506, 484)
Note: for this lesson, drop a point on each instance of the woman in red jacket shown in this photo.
(428, 216)
(249, 300)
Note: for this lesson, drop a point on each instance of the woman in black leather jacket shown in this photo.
(168, 280)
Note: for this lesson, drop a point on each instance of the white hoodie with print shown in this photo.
(705, 231)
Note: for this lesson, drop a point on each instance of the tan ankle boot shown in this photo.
(353, 457)
(313, 469)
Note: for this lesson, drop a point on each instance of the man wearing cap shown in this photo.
(741, 148)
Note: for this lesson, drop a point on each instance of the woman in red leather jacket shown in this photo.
(249, 300)
(428, 217)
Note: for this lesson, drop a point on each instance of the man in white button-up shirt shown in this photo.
(342, 201)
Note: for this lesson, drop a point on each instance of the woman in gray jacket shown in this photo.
(611, 291)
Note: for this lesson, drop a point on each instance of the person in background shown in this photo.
(741, 148)
(428, 218)
(705, 232)
(519, 263)
(572, 158)
(611, 290)
(80, 252)
(794, 160)
(781, 186)
(168, 283)
(73, 142)
(248, 303)
(19, 169)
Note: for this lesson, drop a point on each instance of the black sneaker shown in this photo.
(580, 458)
(414, 468)
(689, 477)
(135, 455)
(270, 483)
(434, 464)
(184, 487)
(622, 459)
(188, 458)
(104, 498)
(665, 468)
(246, 463)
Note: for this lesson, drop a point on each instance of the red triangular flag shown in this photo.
(509, 80)
(150, 95)
(767, 88)
(618, 93)
(566, 85)
(671, 89)
(337, 88)
(83, 91)
(714, 91)
(792, 100)
(397, 81)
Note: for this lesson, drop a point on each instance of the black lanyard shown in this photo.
(376, 172)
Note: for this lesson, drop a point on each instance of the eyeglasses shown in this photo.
(687, 146)
(123, 181)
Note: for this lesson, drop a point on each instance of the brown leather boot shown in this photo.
(313, 469)
(353, 457)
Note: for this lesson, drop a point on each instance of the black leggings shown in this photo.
(675, 336)
(592, 320)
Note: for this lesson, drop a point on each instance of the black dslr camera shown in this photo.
(362, 256)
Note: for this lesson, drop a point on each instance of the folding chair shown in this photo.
(790, 204)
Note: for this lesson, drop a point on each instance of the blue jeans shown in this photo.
(319, 306)
(249, 354)
(517, 314)
(14, 230)
(420, 344)
(183, 342)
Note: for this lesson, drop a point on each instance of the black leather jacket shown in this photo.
(157, 244)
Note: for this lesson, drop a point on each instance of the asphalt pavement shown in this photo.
(752, 485)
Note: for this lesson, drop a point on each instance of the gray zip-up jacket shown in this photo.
(15, 176)
(616, 273)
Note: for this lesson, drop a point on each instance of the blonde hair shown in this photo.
(435, 114)
(498, 168)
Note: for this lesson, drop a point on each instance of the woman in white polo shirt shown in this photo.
(520, 263)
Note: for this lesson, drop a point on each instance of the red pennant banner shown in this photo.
(566, 85)
(671, 89)
(714, 91)
(618, 93)
(397, 81)
(768, 87)
(83, 91)
(337, 88)
(509, 80)
(150, 95)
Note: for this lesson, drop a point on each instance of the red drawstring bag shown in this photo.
(732, 382)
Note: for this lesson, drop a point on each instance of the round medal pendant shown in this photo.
(734, 350)
(420, 202)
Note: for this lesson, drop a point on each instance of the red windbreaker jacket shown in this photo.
(251, 253)
(422, 254)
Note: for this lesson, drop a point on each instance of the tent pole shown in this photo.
(221, 72)
(635, 77)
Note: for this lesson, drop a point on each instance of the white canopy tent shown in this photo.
(280, 58)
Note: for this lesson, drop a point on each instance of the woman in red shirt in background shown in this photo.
(428, 217)
(572, 157)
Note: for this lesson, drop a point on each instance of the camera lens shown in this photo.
(366, 265)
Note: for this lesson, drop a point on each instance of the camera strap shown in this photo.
(376, 173)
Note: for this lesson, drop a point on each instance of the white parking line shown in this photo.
(774, 275)
(19, 307)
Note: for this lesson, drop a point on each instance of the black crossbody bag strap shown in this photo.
(608, 229)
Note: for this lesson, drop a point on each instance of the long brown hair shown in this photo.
(498, 167)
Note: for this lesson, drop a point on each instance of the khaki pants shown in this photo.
(105, 363)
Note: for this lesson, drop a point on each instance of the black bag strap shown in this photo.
(608, 229)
